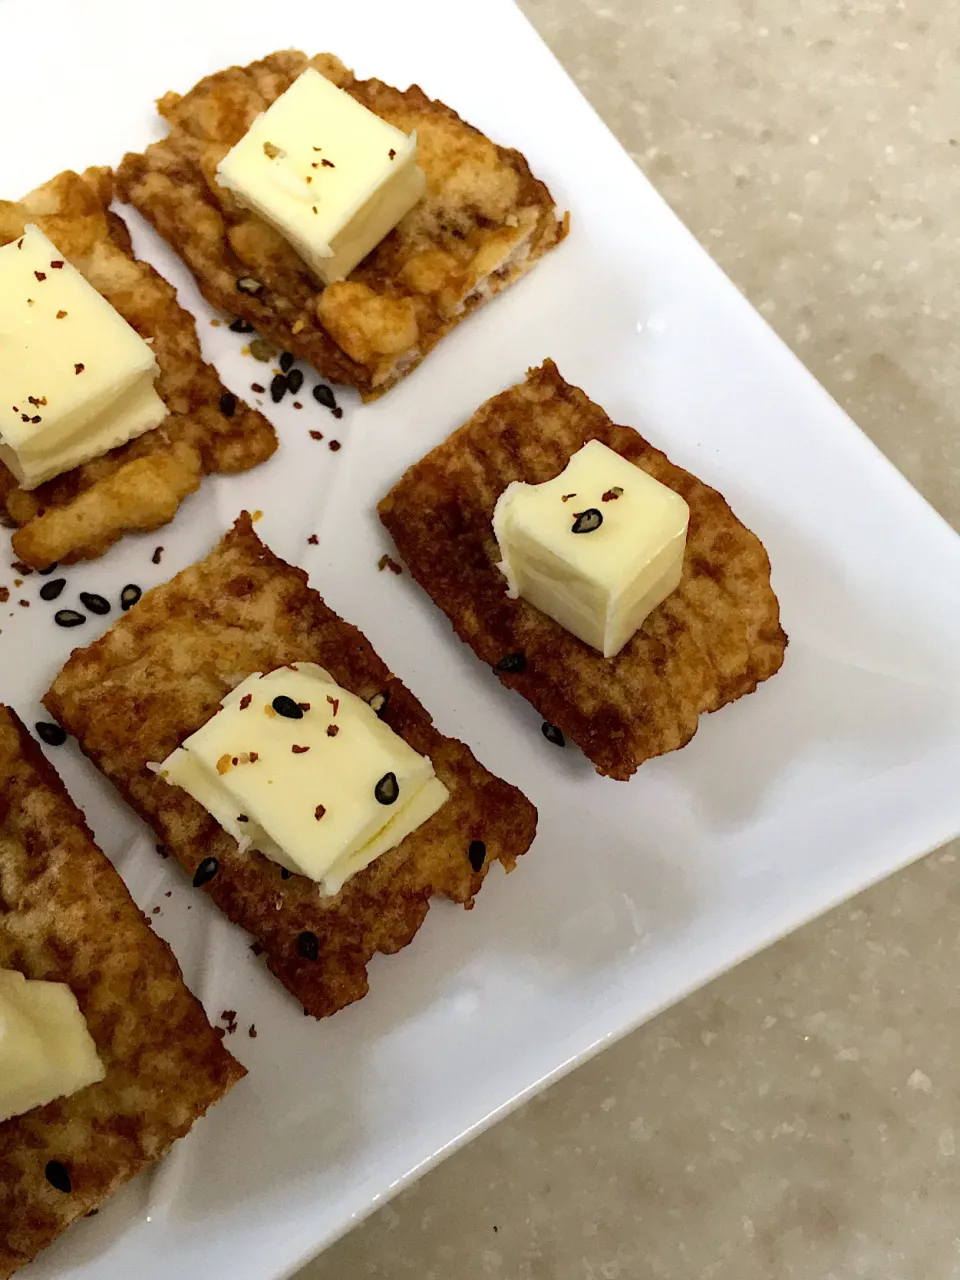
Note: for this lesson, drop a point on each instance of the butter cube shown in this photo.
(306, 773)
(46, 1050)
(329, 175)
(75, 379)
(596, 549)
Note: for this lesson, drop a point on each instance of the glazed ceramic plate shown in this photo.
(831, 776)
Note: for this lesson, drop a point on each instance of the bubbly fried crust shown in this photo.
(713, 640)
(483, 223)
(160, 673)
(140, 485)
(65, 916)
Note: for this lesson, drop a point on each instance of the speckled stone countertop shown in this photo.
(800, 1117)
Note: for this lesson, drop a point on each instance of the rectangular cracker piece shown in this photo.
(66, 916)
(484, 222)
(713, 640)
(160, 673)
(140, 485)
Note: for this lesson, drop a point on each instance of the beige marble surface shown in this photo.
(801, 1117)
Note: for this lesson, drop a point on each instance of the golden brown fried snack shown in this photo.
(483, 223)
(65, 916)
(160, 673)
(713, 640)
(140, 485)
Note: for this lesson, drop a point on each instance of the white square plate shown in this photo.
(834, 774)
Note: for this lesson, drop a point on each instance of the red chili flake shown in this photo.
(4, 595)
(256, 386)
(41, 275)
(78, 368)
(168, 894)
(57, 264)
(245, 701)
(36, 418)
(254, 757)
(392, 154)
(328, 164)
(24, 604)
(61, 315)
(332, 730)
(236, 759)
(299, 751)
(20, 243)
(313, 540)
(612, 495)
(334, 446)
(155, 911)
(252, 1033)
(319, 811)
(297, 404)
(337, 413)
(308, 178)
(335, 703)
(229, 1016)
(316, 435)
(157, 555)
(24, 417)
(304, 706)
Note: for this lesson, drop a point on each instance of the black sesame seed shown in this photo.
(50, 590)
(249, 284)
(285, 706)
(278, 387)
(553, 734)
(44, 573)
(58, 1176)
(241, 326)
(207, 869)
(295, 380)
(477, 853)
(308, 945)
(69, 618)
(387, 789)
(380, 701)
(228, 404)
(587, 521)
(323, 395)
(51, 734)
(95, 603)
(512, 663)
(129, 596)
(286, 361)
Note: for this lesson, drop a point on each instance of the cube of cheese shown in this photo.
(306, 772)
(596, 549)
(46, 1050)
(329, 175)
(76, 380)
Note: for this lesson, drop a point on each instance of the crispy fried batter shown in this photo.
(160, 673)
(65, 916)
(140, 485)
(484, 222)
(713, 640)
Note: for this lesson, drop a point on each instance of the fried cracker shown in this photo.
(483, 223)
(713, 640)
(140, 485)
(65, 916)
(160, 673)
